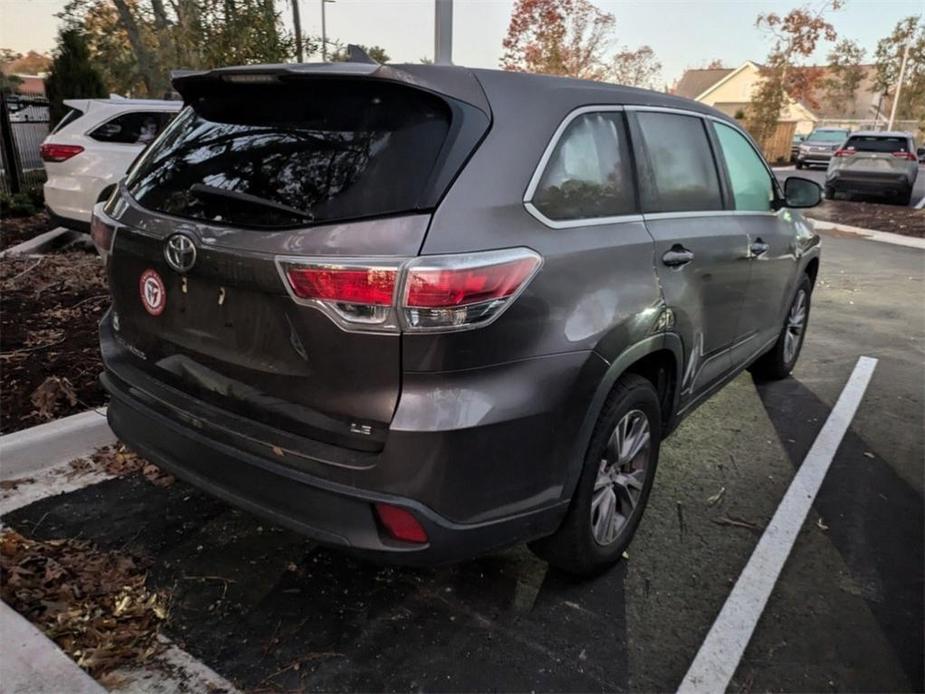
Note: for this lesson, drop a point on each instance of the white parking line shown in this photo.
(720, 653)
(921, 203)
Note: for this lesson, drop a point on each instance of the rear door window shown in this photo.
(682, 174)
(69, 117)
(589, 173)
(271, 156)
(136, 128)
(752, 188)
(874, 143)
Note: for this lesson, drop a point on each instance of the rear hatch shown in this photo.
(875, 156)
(265, 168)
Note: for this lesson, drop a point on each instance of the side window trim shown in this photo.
(96, 127)
(730, 209)
(547, 155)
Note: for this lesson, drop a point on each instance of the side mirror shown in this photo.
(801, 192)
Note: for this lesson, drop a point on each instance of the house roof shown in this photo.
(30, 85)
(693, 83)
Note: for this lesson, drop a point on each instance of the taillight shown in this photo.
(401, 524)
(905, 155)
(103, 235)
(357, 294)
(58, 153)
(428, 293)
(843, 153)
(453, 291)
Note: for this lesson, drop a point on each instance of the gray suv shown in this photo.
(423, 312)
(878, 163)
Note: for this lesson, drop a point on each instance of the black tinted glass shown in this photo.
(827, 136)
(877, 144)
(69, 117)
(287, 155)
(683, 175)
(138, 128)
(589, 173)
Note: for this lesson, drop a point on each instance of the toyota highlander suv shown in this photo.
(423, 312)
(819, 146)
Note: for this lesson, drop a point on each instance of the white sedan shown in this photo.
(92, 147)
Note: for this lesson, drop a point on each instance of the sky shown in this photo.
(683, 33)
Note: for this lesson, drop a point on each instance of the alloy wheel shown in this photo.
(796, 326)
(621, 477)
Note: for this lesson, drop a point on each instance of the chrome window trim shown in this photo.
(541, 167)
(690, 214)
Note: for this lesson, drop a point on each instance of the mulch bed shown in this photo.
(15, 230)
(893, 218)
(50, 307)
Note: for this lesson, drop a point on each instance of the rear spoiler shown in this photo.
(444, 80)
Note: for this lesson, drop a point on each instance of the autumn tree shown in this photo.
(715, 64)
(8, 82)
(638, 68)
(795, 37)
(845, 73)
(558, 37)
(888, 60)
(72, 75)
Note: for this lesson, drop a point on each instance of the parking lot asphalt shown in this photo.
(269, 610)
(817, 174)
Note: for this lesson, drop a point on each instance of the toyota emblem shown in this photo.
(180, 252)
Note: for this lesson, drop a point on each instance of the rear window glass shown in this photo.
(827, 136)
(136, 128)
(588, 174)
(295, 154)
(877, 144)
(69, 117)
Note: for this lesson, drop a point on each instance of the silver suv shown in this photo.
(878, 163)
(421, 312)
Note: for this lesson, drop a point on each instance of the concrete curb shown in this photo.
(32, 664)
(38, 244)
(871, 234)
(44, 446)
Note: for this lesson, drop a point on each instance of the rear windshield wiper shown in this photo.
(201, 189)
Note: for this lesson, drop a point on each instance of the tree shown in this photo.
(8, 83)
(887, 61)
(72, 75)
(715, 64)
(845, 73)
(795, 37)
(558, 37)
(138, 42)
(637, 68)
(377, 53)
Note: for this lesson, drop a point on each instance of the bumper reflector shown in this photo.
(400, 524)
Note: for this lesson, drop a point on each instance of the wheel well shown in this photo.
(812, 269)
(660, 369)
(106, 192)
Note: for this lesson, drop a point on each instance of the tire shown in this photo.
(799, 165)
(829, 192)
(904, 199)
(778, 362)
(585, 544)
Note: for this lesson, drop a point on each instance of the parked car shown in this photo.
(795, 146)
(412, 310)
(819, 145)
(878, 163)
(92, 147)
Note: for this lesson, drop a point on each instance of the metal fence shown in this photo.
(24, 122)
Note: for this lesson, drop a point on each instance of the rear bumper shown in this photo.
(874, 183)
(814, 159)
(469, 487)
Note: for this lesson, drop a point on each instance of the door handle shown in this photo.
(759, 247)
(678, 256)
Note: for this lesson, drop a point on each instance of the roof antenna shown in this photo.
(355, 54)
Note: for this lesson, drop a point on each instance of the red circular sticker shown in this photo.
(153, 294)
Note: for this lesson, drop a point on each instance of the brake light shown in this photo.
(366, 285)
(905, 155)
(103, 236)
(400, 524)
(58, 153)
(446, 292)
(843, 153)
